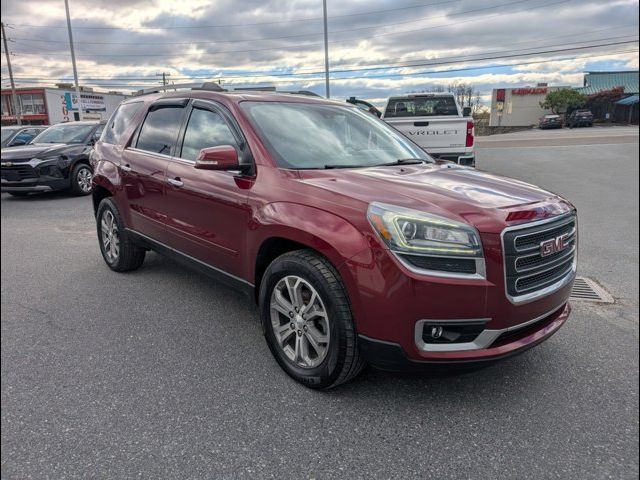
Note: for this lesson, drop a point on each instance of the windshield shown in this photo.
(427, 106)
(64, 133)
(7, 132)
(307, 136)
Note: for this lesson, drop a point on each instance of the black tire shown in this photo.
(343, 360)
(76, 179)
(130, 256)
(18, 194)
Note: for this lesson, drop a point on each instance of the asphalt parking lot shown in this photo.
(163, 374)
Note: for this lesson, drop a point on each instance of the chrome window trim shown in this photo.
(482, 341)
(566, 280)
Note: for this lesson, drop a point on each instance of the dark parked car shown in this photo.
(14, 136)
(57, 159)
(356, 244)
(550, 121)
(580, 118)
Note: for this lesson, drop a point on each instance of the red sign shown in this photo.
(529, 91)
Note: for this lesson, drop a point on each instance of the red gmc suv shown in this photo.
(358, 247)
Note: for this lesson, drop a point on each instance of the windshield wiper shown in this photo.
(329, 167)
(403, 161)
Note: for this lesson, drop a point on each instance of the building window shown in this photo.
(32, 103)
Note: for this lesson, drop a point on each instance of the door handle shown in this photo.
(176, 182)
(125, 168)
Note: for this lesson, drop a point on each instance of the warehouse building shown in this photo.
(518, 107)
(612, 96)
(50, 105)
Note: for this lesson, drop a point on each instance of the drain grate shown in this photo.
(587, 290)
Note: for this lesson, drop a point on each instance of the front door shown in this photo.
(207, 211)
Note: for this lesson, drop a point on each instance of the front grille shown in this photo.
(526, 269)
(18, 172)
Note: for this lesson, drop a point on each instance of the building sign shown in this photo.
(89, 101)
(529, 91)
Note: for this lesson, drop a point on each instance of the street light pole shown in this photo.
(326, 50)
(16, 106)
(73, 61)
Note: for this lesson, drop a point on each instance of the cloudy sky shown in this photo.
(377, 47)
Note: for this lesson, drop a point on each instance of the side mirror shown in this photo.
(222, 157)
(466, 112)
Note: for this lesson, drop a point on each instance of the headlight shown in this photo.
(414, 231)
(428, 242)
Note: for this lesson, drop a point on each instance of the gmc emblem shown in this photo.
(554, 245)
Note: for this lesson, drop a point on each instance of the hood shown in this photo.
(459, 193)
(40, 150)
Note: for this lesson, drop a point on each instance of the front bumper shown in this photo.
(392, 357)
(40, 184)
(34, 176)
(395, 309)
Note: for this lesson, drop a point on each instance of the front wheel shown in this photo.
(81, 177)
(307, 320)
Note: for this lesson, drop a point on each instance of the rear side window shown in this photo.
(205, 129)
(421, 107)
(119, 121)
(160, 129)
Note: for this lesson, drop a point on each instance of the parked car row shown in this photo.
(57, 158)
(577, 118)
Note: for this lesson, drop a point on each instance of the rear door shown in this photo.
(144, 166)
(207, 211)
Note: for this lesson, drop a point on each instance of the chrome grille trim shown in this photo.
(515, 274)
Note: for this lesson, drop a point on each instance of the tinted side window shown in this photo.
(119, 122)
(160, 129)
(205, 129)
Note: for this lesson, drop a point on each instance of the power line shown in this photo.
(413, 74)
(284, 37)
(495, 56)
(410, 74)
(405, 63)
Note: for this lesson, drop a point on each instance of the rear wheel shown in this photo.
(118, 251)
(307, 320)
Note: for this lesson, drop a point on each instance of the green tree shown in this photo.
(559, 101)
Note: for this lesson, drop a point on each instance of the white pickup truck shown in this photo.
(436, 122)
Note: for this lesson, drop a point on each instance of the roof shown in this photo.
(595, 82)
(632, 100)
(235, 96)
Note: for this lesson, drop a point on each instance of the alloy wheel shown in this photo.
(300, 321)
(110, 236)
(84, 178)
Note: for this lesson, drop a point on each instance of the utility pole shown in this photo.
(164, 76)
(16, 106)
(326, 51)
(73, 61)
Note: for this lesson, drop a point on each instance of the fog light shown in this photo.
(436, 332)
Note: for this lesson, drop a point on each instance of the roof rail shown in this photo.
(211, 86)
(273, 90)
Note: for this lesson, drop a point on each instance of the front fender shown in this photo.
(330, 235)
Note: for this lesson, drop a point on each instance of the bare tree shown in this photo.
(466, 94)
